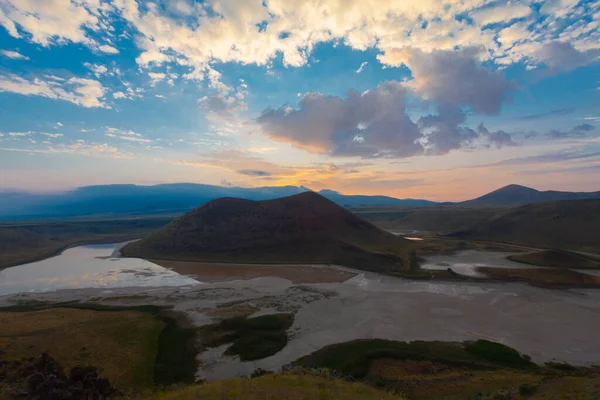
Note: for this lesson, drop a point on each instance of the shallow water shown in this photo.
(467, 262)
(85, 267)
(545, 324)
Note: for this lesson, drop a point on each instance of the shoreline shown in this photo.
(366, 306)
(58, 251)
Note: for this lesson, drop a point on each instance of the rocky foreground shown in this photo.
(43, 378)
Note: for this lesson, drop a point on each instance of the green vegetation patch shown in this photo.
(250, 338)
(354, 358)
(556, 259)
(499, 354)
(136, 347)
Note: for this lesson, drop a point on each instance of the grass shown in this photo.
(136, 348)
(250, 338)
(293, 385)
(454, 371)
(122, 344)
(552, 278)
(354, 358)
(498, 354)
(557, 259)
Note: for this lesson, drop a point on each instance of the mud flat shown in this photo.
(219, 272)
(545, 324)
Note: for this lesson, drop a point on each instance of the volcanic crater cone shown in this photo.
(304, 228)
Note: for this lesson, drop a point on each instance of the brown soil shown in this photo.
(216, 272)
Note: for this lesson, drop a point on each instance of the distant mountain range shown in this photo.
(107, 200)
(513, 195)
(114, 200)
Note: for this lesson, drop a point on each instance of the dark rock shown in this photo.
(45, 380)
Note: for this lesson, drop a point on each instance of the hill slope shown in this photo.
(304, 228)
(573, 225)
(515, 194)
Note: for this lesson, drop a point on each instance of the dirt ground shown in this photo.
(216, 272)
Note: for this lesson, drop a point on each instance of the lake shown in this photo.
(90, 266)
(466, 262)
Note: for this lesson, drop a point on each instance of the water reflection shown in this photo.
(468, 261)
(87, 266)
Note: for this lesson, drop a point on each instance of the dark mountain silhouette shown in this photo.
(512, 195)
(361, 200)
(111, 200)
(304, 228)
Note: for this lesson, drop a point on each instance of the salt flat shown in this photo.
(546, 324)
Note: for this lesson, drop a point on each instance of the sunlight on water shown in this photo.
(87, 266)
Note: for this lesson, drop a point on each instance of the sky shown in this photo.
(408, 98)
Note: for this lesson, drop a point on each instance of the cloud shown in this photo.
(128, 135)
(500, 12)
(81, 148)
(108, 49)
(581, 168)
(576, 131)
(443, 131)
(253, 172)
(452, 77)
(551, 113)
(498, 138)
(563, 56)
(224, 103)
(119, 95)
(50, 21)
(196, 34)
(156, 76)
(13, 55)
(374, 123)
(226, 183)
(20, 134)
(80, 91)
(549, 163)
(362, 66)
(363, 124)
(97, 69)
(258, 32)
(52, 135)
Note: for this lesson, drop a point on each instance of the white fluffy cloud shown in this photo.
(49, 21)
(500, 12)
(13, 55)
(254, 31)
(108, 49)
(80, 91)
(128, 135)
(97, 69)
